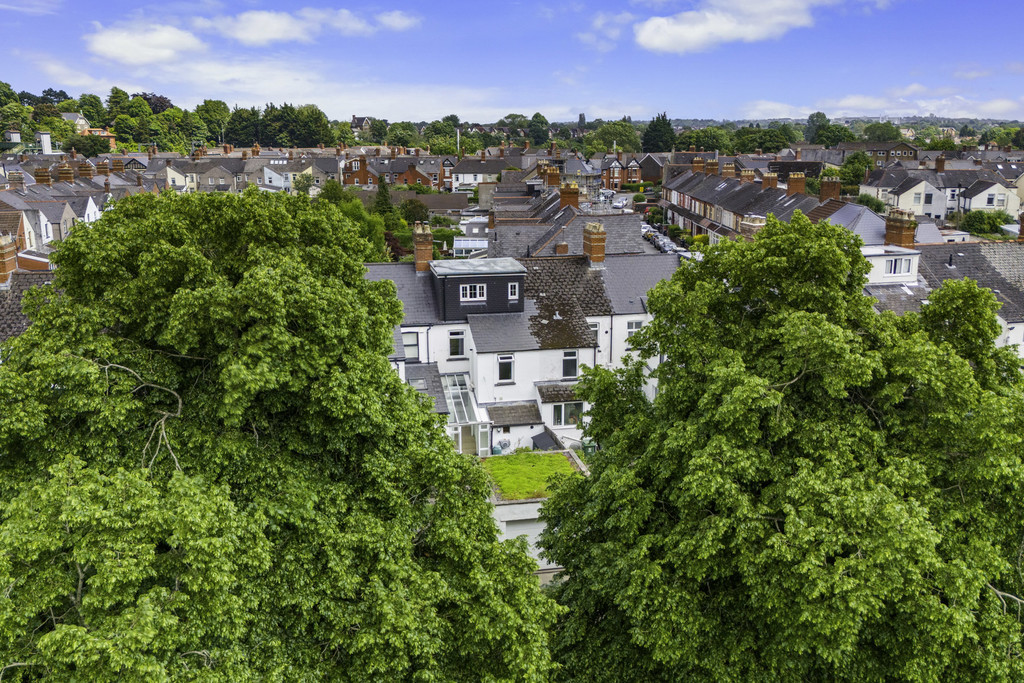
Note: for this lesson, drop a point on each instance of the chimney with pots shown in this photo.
(8, 257)
(693, 149)
(900, 228)
(711, 166)
(117, 166)
(796, 184)
(562, 249)
(394, 152)
(255, 149)
(501, 151)
(728, 169)
(17, 180)
(423, 246)
(65, 173)
(940, 164)
(552, 178)
(85, 170)
(750, 225)
(569, 195)
(106, 185)
(746, 175)
(831, 188)
(697, 165)
(769, 181)
(417, 151)
(483, 154)
(74, 154)
(42, 176)
(245, 156)
(593, 244)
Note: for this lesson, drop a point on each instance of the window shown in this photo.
(991, 200)
(917, 197)
(456, 343)
(632, 327)
(1001, 200)
(570, 364)
(472, 293)
(513, 290)
(355, 165)
(568, 414)
(594, 327)
(174, 181)
(411, 345)
(897, 266)
(211, 180)
(928, 198)
(506, 365)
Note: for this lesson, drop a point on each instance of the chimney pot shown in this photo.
(769, 181)
(593, 244)
(831, 188)
(900, 228)
(562, 249)
(796, 183)
(423, 246)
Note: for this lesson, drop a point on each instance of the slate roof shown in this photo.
(12, 321)
(998, 266)
(556, 392)
(628, 279)
(415, 291)
(477, 165)
(426, 378)
(899, 299)
(514, 414)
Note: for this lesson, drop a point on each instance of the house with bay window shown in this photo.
(499, 343)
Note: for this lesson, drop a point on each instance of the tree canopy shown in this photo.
(211, 472)
(817, 491)
(659, 135)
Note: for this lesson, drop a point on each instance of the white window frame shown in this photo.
(411, 340)
(633, 326)
(563, 416)
(472, 293)
(506, 360)
(459, 337)
(574, 358)
(513, 291)
(897, 266)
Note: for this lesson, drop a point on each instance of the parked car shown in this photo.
(620, 203)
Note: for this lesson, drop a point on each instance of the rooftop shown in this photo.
(497, 266)
(525, 475)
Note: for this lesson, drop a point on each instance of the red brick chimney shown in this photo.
(501, 151)
(798, 154)
(728, 169)
(8, 257)
(593, 244)
(900, 228)
(562, 249)
(526, 146)
(117, 166)
(746, 175)
(483, 154)
(711, 166)
(423, 246)
(769, 181)
(796, 183)
(831, 188)
(106, 185)
(394, 152)
(552, 178)
(569, 195)
(42, 176)
(940, 163)
(693, 149)
(85, 170)
(697, 165)
(65, 173)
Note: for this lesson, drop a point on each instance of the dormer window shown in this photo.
(472, 293)
(513, 291)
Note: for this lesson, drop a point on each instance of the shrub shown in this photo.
(873, 203)
(639, 198)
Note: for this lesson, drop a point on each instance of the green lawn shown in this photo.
(525, 475)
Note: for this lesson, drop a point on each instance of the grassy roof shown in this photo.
(525, 475)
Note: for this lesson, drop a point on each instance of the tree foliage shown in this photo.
(87, 145)
(210, 471)
(817, 491)
(882, 132)
(659, 135)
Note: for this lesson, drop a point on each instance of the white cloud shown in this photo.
(925, 101)
(969, 74)
(263, 27)
(397, 20)
(767, 109)
(907, 91)
(141, 42)
(716, 22)
(32, 6)
(605, 30)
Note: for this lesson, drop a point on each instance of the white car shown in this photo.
(620, 203)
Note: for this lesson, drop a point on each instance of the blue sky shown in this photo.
(481, 60)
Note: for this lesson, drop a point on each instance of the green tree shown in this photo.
(873, 203)
(414, 210)
(659, 135)
(68, 106)
(814, 122)
(816, 492)
(378, 130)
(117, 102)
(87, 145)
(618, 134)
(941, 143)
(17, 117)
(312, 127)
(45, 110)
(211, 472)
(382, 202)
(882, 132)
(303, 184)
(403, 134)
(92, 108)
(343, 132)
(832, 134)
(215, 115)
(710, 139)
(243, 128)
(7, 94)
(537, 129)
(1018, 139)
(854, 165)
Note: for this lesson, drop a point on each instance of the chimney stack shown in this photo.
(117, 166)
(423, 246)
(17, 180)
(697, 164)
(1020, 222)
(562, 249)
(769, 181)
(85, 170)
(569, 195)
(746, 175)
(74, 154)
(711, 166)
(65, 173)
(593, 244)
(417, 151)
(501, 151)
(750, 225)
(940, 163)
(796, 184)
(138, 179)
(900, 228)
(552, 178)
(106, 185)
(42, 176)
(693, 149)
(728, 169)
(798, 154)
(831, 188)
(245, 156)
(8, 257)
(255, 149)
(394, 152)
(483, 154)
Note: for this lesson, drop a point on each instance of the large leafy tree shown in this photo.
(817, 491)
(87, 145)
(659, 135)
(537, 129)
(92, 109)
(209, 470)
(618, 134)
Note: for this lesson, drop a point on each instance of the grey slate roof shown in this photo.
(12, 321)
(415, 291)
(498, 332)
(899, 299)
(556, 392)
(627, 279)
(427, 375)
(998, 266)
(514, 413)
